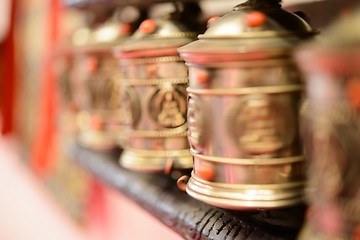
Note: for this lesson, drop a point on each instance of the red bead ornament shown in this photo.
(353, 92)
(356, 234)
(96, 123)
(148, 26)
(92, 64)
(255, 19)
(205, 171)
(202, 77)
(212, 19)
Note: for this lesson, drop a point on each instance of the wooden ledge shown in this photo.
(159, 195)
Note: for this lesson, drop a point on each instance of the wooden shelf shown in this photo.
(159, 195)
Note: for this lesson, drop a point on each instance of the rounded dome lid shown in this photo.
(110, 33)
(336, 50)
(254, 26)
(98, 39)
(257, 19)
(155, 35)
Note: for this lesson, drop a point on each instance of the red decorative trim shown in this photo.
(7, 78)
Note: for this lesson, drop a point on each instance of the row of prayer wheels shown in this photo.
(228, 106)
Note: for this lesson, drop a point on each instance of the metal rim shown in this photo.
(237, 196)
(176, 132)
(156, 161)
(247, 90)
(242, 161)
(146, 82)
(124, 62)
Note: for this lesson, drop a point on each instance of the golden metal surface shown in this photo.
(99, 140)
(244, 96)
(261, 63)
(250, 161)
(245, 197)
(174, 35)
(179, 132)
(155, 161)
(155, 80)
(148, 60)
(145, 82)
(247, 90)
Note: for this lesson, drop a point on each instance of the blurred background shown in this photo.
(44, 195)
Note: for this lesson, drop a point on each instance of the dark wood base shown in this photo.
(158, 194)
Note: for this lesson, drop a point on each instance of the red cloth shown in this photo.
(7, 78)
(46, 149)
(45, 141)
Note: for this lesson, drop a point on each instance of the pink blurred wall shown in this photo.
(28, 211)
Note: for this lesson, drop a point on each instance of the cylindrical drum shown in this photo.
(155, 80)
(331, 126)
(96, 83)
(244, 95)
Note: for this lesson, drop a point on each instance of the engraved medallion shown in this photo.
(261, 125)
(167, 106)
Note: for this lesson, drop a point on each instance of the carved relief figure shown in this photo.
(168, 107)
(170, 115)
(261, 127)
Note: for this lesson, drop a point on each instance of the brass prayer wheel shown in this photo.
(331, 128)
(155, 80)
(243, 100)
(96, 83)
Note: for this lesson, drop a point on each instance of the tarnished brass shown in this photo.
(244, 95)
(155, 81)
(331, 124)
(96, 83)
